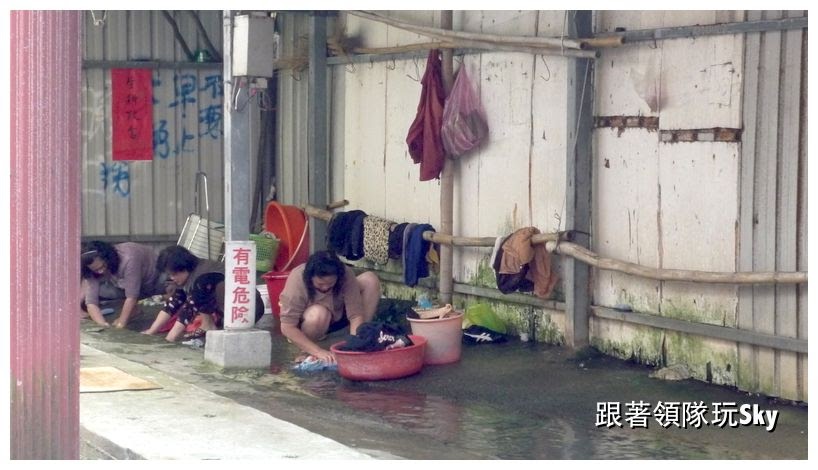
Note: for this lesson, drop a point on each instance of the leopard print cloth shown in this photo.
(376, 239)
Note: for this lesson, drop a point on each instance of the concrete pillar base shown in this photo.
(239, 349)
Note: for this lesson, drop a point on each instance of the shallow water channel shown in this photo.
(500, 401)
(532, 401)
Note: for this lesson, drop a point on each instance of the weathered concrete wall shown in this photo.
(657, 202)
(516, 180)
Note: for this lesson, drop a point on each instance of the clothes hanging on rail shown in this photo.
(396, 240)
(354, 247)
(376, 239)
(424, 140)
(522, 266)
(415, 250)
(345, 234)
(406, 232)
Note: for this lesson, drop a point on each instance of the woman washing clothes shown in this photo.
(196, 293)
(113, 272)
(322, 296)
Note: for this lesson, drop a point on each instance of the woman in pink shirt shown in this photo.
(122, 271)
(323, 295)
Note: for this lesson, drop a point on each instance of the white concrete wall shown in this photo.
(663, 205)
(516, 180)
(668, 205)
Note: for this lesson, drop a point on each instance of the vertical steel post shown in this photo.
(318, 147)
(578, 198)
(237, 153)
(446, 280)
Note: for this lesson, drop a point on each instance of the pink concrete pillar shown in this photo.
(46, 59)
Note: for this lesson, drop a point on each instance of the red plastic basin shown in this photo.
(381, 365)
(275, 284)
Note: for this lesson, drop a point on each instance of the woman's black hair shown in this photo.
(98, 249)
(175, 259)
(320, 264)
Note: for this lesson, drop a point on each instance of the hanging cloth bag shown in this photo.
(465, 126)
(425, 145)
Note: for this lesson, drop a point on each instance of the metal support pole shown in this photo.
(318, 147)
(446, 279)
(578, 185)
(237, 154)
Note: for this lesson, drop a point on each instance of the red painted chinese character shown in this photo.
(239, 312)
(241, 295)
(241, 275)
(242, 255)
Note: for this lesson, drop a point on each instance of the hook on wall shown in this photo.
(393, 66)
(417, 71)
(542, 57)
(99, 21)
(458, 61)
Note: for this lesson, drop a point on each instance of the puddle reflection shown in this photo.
(493, 432)
(506, 415)
(419, 412)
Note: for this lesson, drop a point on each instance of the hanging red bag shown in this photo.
(465, 126)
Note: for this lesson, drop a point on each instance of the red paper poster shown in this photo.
(132, 110)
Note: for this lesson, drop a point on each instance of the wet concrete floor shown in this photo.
(500, 401)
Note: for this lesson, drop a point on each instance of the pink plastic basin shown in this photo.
(445, 337)
(381, 365)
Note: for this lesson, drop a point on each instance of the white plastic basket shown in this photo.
(201, 242)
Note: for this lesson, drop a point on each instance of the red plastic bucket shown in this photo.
(275, 284)
(289, 224)
(381, 365)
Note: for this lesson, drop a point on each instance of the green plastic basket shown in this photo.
(266, 251)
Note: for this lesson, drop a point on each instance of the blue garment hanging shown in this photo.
(414, 255)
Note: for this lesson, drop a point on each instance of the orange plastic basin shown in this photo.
(289, 224)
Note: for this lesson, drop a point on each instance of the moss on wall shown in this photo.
(643, 345)
(393, 290)
(637, 303)
(706, 361)
(484, 277)
(698, 310)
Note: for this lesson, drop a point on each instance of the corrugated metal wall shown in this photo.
(292, 144)
(657, 202)
(713, 206)
(670, 205)
(773, 228)
(44, 234)
(151, 199)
